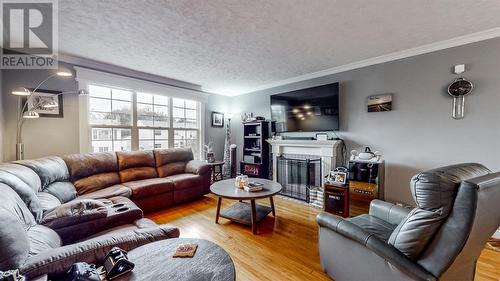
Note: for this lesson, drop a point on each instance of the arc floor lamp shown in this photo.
(27, 110)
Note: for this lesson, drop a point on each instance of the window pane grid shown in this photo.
(153, 139)
(152, 111)
(111, 139)
(109, 106)
(111, 112)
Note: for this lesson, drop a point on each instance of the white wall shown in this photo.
(419, 133)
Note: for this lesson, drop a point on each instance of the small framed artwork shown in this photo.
(338, 176)
(217, 119)
(380, 103)
(41, 99)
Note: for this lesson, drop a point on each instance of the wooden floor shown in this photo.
(285, 247)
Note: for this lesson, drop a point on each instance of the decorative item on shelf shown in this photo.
(240, 181)
(226, 169)
(338, 176)
(247, 117)
(321, 136)
(209, 152)
(36, 103)
(217, 119)
(458, 90)
(366, 156)
(380, 103)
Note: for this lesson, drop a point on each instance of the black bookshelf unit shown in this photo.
(255, 149)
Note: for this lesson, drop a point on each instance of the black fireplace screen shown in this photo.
(297, 176)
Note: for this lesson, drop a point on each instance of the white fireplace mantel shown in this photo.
(328, 151)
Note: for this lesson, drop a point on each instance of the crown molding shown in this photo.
(429, 48)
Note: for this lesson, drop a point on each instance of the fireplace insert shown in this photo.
(298, 176)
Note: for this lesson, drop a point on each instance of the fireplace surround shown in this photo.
(327, 153)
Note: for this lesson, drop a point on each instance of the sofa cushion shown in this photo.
(108, 192)
(25, 174)
(374, 225)
(186, 181)
(11, 202)
(48, 201)
(172, 161)
(41, 239)
(149, 187)
(25, 191)
(92, 171)
(415, 231)
(136, 165)
(50, 169)
(14, 243)
(64, 190)
(96, 182)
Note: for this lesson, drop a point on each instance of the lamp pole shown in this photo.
(20, 120)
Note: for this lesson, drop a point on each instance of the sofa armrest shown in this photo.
(75, 212)
(198, 167)
(388, 212)
(379, 247)
(58, 260)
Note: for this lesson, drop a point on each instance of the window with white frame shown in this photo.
(124, 120)
(110, 118)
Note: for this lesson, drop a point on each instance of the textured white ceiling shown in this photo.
(232, 47)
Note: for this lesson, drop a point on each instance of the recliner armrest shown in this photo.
(388, 212)
(198, 167)
(58, 260)
(371, 242)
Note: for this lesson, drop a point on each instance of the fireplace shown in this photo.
(298, 174)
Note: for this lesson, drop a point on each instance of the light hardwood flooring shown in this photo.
(285, 248)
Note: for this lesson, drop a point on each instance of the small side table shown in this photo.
(336, 199)
(216, 171)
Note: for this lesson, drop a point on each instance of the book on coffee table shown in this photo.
(253, 186)
(185, 250)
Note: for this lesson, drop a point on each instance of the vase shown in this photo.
(210, 157)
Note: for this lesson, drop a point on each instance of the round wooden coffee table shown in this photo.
(242, 212)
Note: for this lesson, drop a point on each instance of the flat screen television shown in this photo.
(307, 110)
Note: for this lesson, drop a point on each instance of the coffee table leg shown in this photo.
(272, 205)
(219, 200)
(254, 217)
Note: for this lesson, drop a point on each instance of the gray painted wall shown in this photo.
(419, 133)
(216, 135)
(43, 136)
(2, 121)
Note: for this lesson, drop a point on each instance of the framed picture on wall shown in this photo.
(217, 119)
(39, 102)
(380, 103)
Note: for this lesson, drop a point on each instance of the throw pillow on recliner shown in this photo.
(415, 231)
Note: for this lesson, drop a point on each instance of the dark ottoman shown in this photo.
(154, 261)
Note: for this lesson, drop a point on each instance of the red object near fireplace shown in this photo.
(336, 199)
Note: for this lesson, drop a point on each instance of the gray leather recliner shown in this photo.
(441, 239)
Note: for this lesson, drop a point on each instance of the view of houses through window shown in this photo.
(123, 120)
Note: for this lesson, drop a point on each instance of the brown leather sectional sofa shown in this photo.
(56, 211)
(151, 179)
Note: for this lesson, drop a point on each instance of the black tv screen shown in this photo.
(307, 110)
